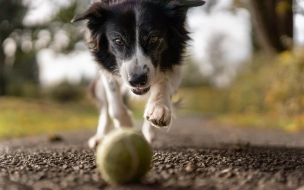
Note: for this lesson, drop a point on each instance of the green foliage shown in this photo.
(66, 92)
(24, 89)
(283, 7)
(11, 15)
(66, 14)
(62, 21)
(247, 94)
(192, 76)
(269, 85)
(286, 92)
(22, 66)
(269, 93)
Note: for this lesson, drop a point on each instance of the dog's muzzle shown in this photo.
(138, 83)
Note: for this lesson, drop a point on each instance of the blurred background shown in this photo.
(244, 66)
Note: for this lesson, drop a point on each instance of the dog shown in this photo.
(139, 46)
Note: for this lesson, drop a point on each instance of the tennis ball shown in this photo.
(124, 156)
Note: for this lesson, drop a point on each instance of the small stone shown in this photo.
(55, 138)
(190, 167)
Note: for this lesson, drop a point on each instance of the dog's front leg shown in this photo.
(110, 99)
(116, 107)
(104, 118)
(158, 109)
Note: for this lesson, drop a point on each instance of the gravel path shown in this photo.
(194, 154)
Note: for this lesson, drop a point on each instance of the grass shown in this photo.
(23, 117)
(219, 104)
(288, 124)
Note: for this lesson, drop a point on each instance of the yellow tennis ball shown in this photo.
(124, 156)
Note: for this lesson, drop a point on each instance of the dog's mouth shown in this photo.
(140, 91)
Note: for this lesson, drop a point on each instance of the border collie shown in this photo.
(139, 46)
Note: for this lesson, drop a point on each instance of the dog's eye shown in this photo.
(119, 42)
(153, 40)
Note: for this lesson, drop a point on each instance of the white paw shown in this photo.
(159, 114)
(94, 141)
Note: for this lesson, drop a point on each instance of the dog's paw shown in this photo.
(94, 141)
(159, 114)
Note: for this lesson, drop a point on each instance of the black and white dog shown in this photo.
(139, 45)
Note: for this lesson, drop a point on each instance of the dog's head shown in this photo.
(137, 39)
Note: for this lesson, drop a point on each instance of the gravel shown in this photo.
(199, 157)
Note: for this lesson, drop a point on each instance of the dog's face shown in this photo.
(136, 39)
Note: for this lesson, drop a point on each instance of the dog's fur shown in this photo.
(139, 45)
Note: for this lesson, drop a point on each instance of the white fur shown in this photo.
(109, 96)
(158, 108)
(136, 65)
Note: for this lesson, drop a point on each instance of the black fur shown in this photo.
(111, 20)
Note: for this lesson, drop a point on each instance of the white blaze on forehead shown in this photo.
(139, 63)
(142, 60)
(125, 68)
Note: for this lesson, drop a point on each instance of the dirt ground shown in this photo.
(194, 154)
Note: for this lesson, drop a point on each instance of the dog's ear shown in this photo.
(96, 17)
(191, 3)
(95, 12)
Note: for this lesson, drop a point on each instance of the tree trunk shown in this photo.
(2, 73)
(274, 22)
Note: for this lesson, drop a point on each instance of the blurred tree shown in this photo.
(11, 14)
(298, 8)
(20, 65)
(274, 23)
(62, 22)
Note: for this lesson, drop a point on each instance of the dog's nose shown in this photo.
(138, 80)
